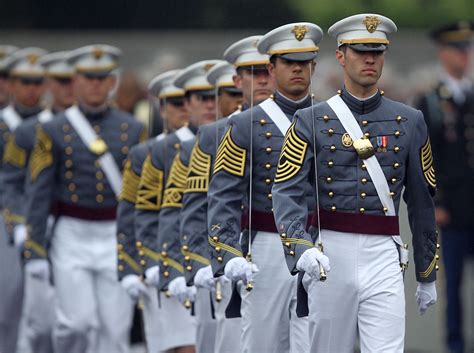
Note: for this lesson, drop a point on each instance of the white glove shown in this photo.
(152, 276)
(205, 278)
(134, 286)
(181, 291)
(310, 261)
(240, 269)
(38, 268)
(425, 296)
(19, 235)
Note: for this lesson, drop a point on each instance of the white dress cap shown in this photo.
(244, 53)
(25, 63)
(56, 65)
(194, 77)
(95, 60)
(162, 86)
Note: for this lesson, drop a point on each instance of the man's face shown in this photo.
(174, 112)
(201, 108)
(4, 94)
(62, 91)
(362, 68)
(229, 102)
(27, 92)
(93, 91)
(263, 85)
(455, 60)
(292, 77)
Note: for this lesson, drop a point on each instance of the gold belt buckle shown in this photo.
(364, 148)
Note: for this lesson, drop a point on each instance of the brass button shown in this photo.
(367, 135)
(339, 92)
(268, 166)
(269, 196)
(166, 274)
(268, 181)
(364, 181)
(99, 198)
(68, 174)
(66, 128)
(119, 246)
(220, 259)
(97, 163)
(120, 257)
(142, 262)
(67, 138)
(176, 146)
(139, 244)
(398, 119)
(97, 129)
(333, 148)
(68, 150)
(124, 137)
(330, 163)
(438, 246)
(437, 257)
(68, 163)
(268, 150)
(362, 210)
(120, 268)
(392, 193)
(99, 186)
(385, 209)
(216, 239)
(365, 123)
(331, 194)
(99, 175)
(27, 254)
(397, 134)
(437, 268)
(189, 268)
(292, 253)
(141, 253)
(164, 254)
(328, 180)
(393, 180)
(396, 149)
(268, 134)
(331, 132)
(363, 195)
(396, 165)
(166, 264)
(333, 208)
(71, 187)
(185, 248)
(124, 126)
(287, 244)
(363, 166)
(218, 249)
(124, 149)
(283, 235)
(326, 118)
(263, 122)
(187, 258)
(74, 198)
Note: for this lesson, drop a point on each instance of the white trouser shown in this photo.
(151, 315)
(11, 292)
(269, 321)
(39, 304)
(363, 292)
(228, 331)
(178, 327)
(94, 312)
(206, 324)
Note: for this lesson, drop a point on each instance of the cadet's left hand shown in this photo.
(310, 261)
(205, 278)
(134, 286)
(181, 291)
(19, 235)
(425, 296)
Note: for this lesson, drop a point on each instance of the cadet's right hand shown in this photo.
(239, 268)
(38, 268)
(310, 261)
(205, 278)
(152, 276)
(134, 286)
(19, 235)
(181, 291)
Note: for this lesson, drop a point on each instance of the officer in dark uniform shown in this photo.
(449, 114)
(244, 169)
(129, 263)
(75, 171)
(358, 150)
(26, 86)
(38, 305)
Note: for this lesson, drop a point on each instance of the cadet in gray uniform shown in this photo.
(251, 72)
(129, 263)
(362, 149)
(244, 169)
(75, 171)
(39, 300)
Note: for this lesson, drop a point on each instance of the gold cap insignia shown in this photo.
(32, 58)
(299, 32)
(97, 53)
(371, 23)
(98, 147)
(346, 140)
(207, 67)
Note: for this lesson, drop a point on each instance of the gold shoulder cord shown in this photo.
(14, 154)
(42, 155)
(230, 157)
(426, 158)
(130, 183)
(150, 189)
(173, 195)
(199, 170)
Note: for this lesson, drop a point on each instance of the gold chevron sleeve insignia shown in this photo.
(431, 267)
(230, 157)
(199, 170)
(426, 157)
(291, 156)
(150, 188)
(42, 155)
(176, 183)
(130, 183)
(14, 154)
